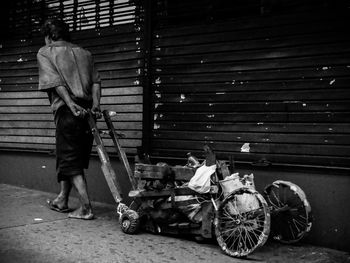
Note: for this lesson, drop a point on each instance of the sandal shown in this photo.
(55, 207)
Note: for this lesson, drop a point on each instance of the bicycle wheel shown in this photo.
(242, 222)
(290, 210)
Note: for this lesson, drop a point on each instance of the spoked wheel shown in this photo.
(242, 222)
(129, 221)
(290, 210)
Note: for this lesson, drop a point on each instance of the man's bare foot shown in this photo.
(82, 213)
(58, 206)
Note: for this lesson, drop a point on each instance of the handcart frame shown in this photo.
(240, 221)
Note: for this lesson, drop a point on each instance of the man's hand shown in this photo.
(96, 111)
(74, 108)
(77, 110)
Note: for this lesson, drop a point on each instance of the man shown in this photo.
(68, 75)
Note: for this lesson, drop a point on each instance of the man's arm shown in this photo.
(75, 108)
(96, 97)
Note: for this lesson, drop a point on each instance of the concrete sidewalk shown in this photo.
(30, 232)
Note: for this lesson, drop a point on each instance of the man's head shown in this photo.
(54, 30)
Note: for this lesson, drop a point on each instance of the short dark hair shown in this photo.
(56, 29)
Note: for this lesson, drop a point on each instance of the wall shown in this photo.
(37, 171)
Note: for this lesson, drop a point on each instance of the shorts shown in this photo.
(73, 144)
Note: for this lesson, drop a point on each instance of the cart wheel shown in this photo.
(290, 210)
(242, 222)
(129, 221)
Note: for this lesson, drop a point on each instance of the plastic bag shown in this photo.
(200, 182)
(230, 184)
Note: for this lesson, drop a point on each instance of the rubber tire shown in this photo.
(129, 222)
(265, 226)
(279, 234)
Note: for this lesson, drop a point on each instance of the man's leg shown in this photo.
(61, 201)
(85, 210)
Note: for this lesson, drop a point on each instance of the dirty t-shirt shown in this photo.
(64, 64)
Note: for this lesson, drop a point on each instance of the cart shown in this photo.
(239, 218)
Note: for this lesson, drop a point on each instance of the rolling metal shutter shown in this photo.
(264, 87)
(26, 120)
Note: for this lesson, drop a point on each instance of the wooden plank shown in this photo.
(256, 54)
(83, 35)
(123, 108)
(32, 77)
(127, 143)
(113, 48)
(133, 111)
(162, 193)
(243, 76)
(23, 102)
(51, 140)
(22, 85)
(277, 43)
(43, 102)
(249, 34)
(22, 95)
(284, 117)
(215, 62)
(245, 23)
(26, 117)
(267, 85)
(111, 57)
(25, 109)
(122, 100)
(26, 131)
(129, 116)
(121, 61)
(121, 91)
(88, 41)
(27, 139)
(27, 146)
(268, 137)
(101, 57)
(120, 65)
(288, 128)
(50, 148)
(8, 124)
(268, 106)
(120, 74)
(275, 148)
(292, 98)
(149, 171)
(129, 151)
(122, 82)
(39, 94)
(18, 65)
(16, 121)
(19, 73)
(23, 57)
(95, 50)
(95, 42)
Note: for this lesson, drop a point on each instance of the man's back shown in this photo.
(66, 64)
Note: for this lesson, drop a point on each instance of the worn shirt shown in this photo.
(64, 64)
